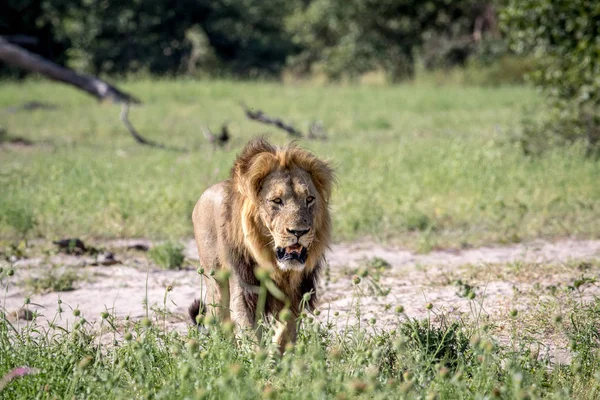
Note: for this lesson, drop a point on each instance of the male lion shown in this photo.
(273, 214)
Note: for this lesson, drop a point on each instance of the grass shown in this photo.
(418, 164)
(52, 279)
(421, 165)
(439, 357)
(168, 255)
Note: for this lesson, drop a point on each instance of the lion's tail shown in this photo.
(196, 309)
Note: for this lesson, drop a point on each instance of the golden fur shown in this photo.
(272, 213)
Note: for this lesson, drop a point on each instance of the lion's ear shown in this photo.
(252, 165)
(320, 171)
(243, 162)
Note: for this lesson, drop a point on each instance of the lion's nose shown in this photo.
(298, 232)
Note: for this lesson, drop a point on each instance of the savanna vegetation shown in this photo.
(457, 153)
(564, 39)
(253, 38)
(440, 357)
(420, 165)
(416, 164)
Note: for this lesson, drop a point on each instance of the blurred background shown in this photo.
(480, 118)
(466, 130)
(319, 39)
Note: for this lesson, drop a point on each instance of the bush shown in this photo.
(244, 37)
(564, 38)
(168, 255)
(447, 344)
(53, 280)
(21, 219)
(345, 39)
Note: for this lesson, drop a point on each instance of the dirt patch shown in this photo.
(536, 278)
(417, 279)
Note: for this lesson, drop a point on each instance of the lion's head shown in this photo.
(284, 194)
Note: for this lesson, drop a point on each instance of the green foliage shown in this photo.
(131, 359)
(564, 37)
(446, 356)
(168, 255)
(52, 279)
(14, 250)
(24, 18)
(109, 37)
(378, 263)
(244, 37)
(481, 69)
(465, 289)
(347, 38)
(446, 344)
(249, 35)
(584, 328)
(19, 218)
(417, 221)
(248, 38)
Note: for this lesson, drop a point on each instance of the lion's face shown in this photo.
(288, 204)
(283, 195)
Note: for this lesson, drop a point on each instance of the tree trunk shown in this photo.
(19, 57)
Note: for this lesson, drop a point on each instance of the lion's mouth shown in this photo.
(294, 252)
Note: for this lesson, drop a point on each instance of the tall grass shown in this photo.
(438, 357)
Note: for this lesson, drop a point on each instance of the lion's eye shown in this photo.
(310, 199)
(277, 200)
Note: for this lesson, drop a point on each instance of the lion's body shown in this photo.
(272, 214)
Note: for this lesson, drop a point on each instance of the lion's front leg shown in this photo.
(285, 332)
(243, 310)
(217, 298)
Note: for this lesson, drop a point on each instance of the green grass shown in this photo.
(52, 279)
(168, 255)
(422, 165)
(447, 359)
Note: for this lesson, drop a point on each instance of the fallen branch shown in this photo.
(72, 246)
(139, 138)
(19, 57)
(260, 116)
(22, 58)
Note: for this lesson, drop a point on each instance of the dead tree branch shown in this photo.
(260, 116)
(139, 138)
(19, 57)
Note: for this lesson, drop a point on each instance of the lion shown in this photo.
(273, 215)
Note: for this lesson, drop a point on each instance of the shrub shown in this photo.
(53, 280)
(19, 218)
(168, 255)
(563, 36)
(447, 343)
(344, 39)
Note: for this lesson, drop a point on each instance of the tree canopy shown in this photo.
(244, 37)
(565, 37)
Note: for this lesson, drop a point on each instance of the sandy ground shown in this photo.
(523, 277)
